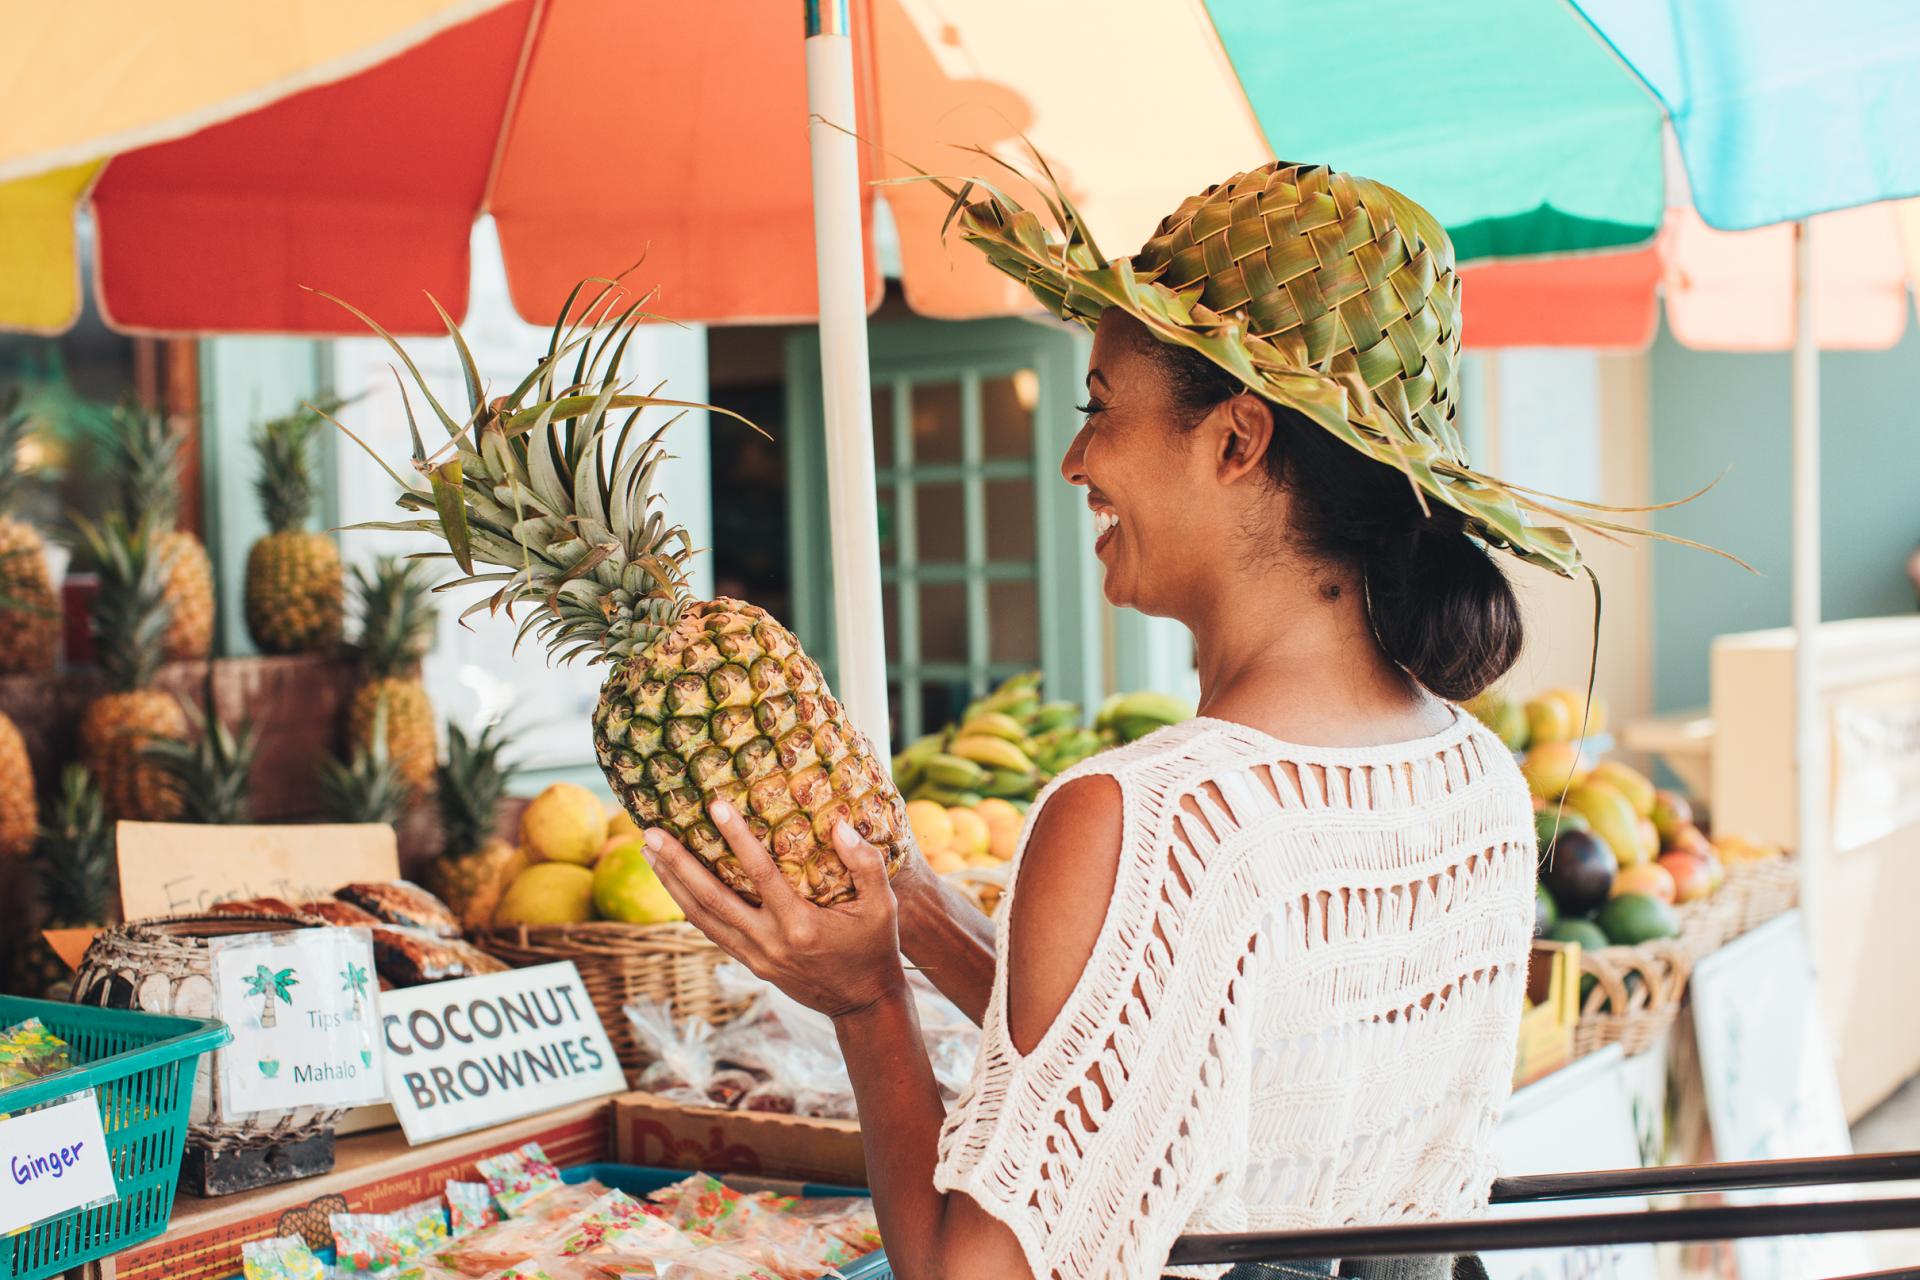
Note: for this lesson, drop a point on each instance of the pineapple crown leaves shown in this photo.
(397, 615)
(15, 422)
(143, 455)
(74, 858)
(129, 612)
(284, 446)
(213, 773)
(554, 484)
(473, 781)
(366, 787)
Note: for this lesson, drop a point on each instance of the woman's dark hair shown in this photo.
(1440, 607)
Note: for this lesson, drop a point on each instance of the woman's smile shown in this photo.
(1106, 523)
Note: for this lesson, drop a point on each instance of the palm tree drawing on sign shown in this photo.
(353, 978)
(267, 984)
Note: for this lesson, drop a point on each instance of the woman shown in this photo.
(1262, 970)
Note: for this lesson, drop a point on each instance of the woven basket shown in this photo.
(622, 963)
(1708, 924)
(1763, 889)
(984, 886)
(1635, 995)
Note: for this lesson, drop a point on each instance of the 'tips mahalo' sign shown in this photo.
(478, 1051)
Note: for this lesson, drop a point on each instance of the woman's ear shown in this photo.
(1245, 424)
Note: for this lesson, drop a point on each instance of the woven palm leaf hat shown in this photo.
(1331, 294)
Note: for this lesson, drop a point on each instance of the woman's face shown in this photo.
(1155, 495)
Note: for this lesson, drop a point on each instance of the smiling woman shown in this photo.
(1261, 970)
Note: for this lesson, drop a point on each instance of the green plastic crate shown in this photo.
(140, 1067)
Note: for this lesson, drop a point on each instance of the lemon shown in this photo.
(564, 823)
(625, 888)
(970, 835)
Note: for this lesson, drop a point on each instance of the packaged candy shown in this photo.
(684, 1066)
(280, 1258)
(549, 1267)
(848, 1219)
(519, 1177)
(606, 1225)
(383, 1241)
(469, 1208)
(29, 1051)
(565, 1200)
(483, 1252)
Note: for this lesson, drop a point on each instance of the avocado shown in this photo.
(1584, 932)
(1546, 913)
(1634, 918)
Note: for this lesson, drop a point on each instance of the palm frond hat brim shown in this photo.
(1328, 293)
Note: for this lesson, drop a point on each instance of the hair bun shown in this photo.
(1443, 610)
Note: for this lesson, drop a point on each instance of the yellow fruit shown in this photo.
(946, 862)
(1649, 837)
(564, 823)
(970, 835)
(625, 888)
(984, 860)
(1003, 827)
(1551, 766)
(1549, 720)
(622, 824)
(932, 829)
(548, 893)
(1631, 783)
(1613, 820)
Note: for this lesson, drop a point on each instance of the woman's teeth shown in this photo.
(1103, 521)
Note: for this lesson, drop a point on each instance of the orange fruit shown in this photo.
(1003, 826)
(1691, 877)
(1649, 878)
(970, 835)
(932, 829)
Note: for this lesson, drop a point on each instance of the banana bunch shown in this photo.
(1127, 717)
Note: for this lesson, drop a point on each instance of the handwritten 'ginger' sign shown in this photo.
(478, 1051)
(171, 868)
(52, 1161)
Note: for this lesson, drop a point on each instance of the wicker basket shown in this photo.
(1635, 995)
(622, 963)
(984, 886)
(1763, 889)
(1709, 923)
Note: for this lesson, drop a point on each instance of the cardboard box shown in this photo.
(372, 1173)
(1546, 1029)
(650, 1130)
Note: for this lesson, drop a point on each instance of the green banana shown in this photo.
(995, 753)
(1148, 705)
(1009, 783)
(951, 796)
(1134, 728)
(1055, 715)
(955, 772)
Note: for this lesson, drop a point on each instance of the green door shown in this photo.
(986, 554)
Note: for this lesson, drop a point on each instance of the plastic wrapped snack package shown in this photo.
(549, 1266)
(280, 1258)
(29, 1051)
(365, 1242)
(616, 1221)
(470, 1208)
(483, 1252)
(684, 1067)
(848, 1219)
(519, 1177)
(565, 1200)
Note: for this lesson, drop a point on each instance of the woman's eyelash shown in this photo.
(1090, 408)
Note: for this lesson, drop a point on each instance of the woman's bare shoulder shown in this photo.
(1065, 882)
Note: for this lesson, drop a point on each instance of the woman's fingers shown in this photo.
(775, 893)
(867, 865)
(709, 904)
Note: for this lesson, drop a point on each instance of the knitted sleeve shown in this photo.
(1097, 1147)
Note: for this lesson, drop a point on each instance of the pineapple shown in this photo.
(214, 773)
(29, 613)
(130, 616)
(366, 788)
(397, 621)
(146, 459)
(475, 866)
(294, 589)
(704, 699)
(74, 870)
(19, 812)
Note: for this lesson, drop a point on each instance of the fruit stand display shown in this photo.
(1628, 870)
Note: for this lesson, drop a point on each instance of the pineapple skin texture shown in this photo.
(116, 729)
(726, 705)
(19, 811)
(29, 641)
(189, 596)
(411, 737)
(472, 883)
(295, 592)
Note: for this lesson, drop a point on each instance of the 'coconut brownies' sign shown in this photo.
(477, 1051)
(53, 1160)
(301, 1006)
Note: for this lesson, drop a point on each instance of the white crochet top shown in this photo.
(1300, 1011)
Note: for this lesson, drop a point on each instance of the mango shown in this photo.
(932, 829)
(564, 823)
(1612, 819)
(1548, 721)
(548, 893)
(1671, 812)
(1550, 766)
(1629, 782)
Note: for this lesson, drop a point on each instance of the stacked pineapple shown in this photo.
(704, 699)
(213, 773)
(365, 787)
(131, 619)
(29, 631)
(397, 621)
(73, 864)
(475, 864)
(145, 459)
(294, 588)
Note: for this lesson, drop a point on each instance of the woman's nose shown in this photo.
(1074, 465)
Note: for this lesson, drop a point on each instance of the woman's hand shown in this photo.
(839, 960)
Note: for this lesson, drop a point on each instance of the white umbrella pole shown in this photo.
(840, 255)
(1809, 743)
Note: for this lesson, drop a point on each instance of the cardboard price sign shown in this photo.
(170, 868)
(474, 1052)
(53, 1161)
